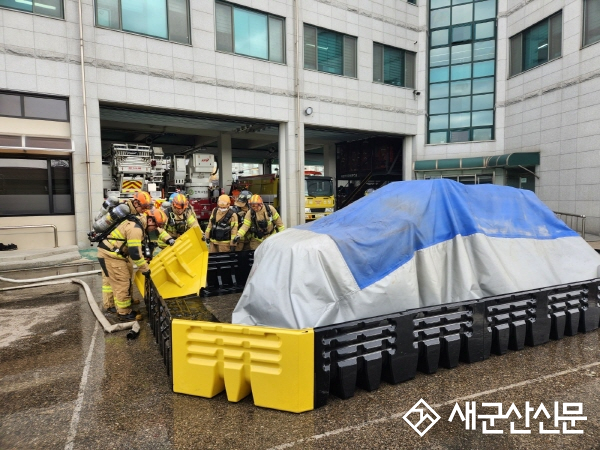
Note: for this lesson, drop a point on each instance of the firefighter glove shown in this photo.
(146, 273)
(171, 241)
(236, 239)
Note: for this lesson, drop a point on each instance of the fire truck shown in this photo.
(131, 168)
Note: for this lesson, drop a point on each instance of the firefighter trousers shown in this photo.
(116, 280)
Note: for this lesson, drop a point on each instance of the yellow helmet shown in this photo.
(180, 201)
(223, 201)
(256, 199)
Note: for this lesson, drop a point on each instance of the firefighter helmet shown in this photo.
(144, 199)
(180, 201)
(369, 191)
(256, 200)
(224, 201)
(158, 215)
(244, 196)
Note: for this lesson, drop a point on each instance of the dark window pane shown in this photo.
(516, 54)
(465, 179)
(485, 30)
(61, 186)
(460, 120)
(461, 136)
(178, 21)
(439, 74)
(462, 14)
(555, 43)
(147, 17)
(439, 37)
(310, 47)
(51, 8)
(439, 57)
(378, 63)
(224, 27)
(483, 69)
(438, 137)
(10, 141)
(460, 72)
(483, 85)
(438, 122)
(329, 53)
(107, 13)
(458, 88)
(440, 18)
(535, 44)
(460, 104)
(485, 10)
(54, 143)
(438, 90)
(276, 40)
(482, 134)
(349, 52)
(393, 66)
(591, 22)
(438, 106)
(462, 33)
(461, 53)
(45, 108)
(484, 50)
(251, 33)
(10, 105)
(24, 186)
(483, 101)
(410, 64)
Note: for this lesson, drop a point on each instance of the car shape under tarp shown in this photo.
(411, 244)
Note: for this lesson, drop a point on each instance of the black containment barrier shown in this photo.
(227, 273)
(392, 348)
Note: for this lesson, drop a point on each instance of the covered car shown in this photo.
(409, 245)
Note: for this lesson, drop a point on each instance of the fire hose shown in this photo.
(46, 281)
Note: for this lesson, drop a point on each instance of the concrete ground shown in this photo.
(64, 383)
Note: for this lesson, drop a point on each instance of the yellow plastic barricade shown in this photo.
(276, 365)
(179, 270)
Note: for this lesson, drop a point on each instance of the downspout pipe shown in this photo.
(300, 151)
(85, 120)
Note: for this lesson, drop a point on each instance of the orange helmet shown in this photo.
(224, 201)
(180, 201)
(159, 216)
(144, 199)
(256, 199)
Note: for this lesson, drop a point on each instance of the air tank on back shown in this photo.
(116, 214)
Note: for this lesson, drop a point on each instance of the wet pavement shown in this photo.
(64, 383)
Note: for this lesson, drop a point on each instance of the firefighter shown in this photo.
(141, 201)
(241, 208)
(123, 246)
(180, 217)
(222, 227)
(262, 221)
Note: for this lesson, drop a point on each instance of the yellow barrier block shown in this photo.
(179, 270)
(276, 365)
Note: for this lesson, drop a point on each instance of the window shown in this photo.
(328, 51)
(536, 45)
(462, 55)
(393, 66)
(165, 19)
(34, 107)
(250, 33)
(35, 186)
(52, 8)
(591, 21)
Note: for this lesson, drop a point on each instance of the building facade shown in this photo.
(496, 91)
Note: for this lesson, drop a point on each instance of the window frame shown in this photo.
(343, 36)
(583, 28)
(449, 45)
(404, 54)
(121, 30)
(48, 159)
(22, 100)
(520, 36)
(62, 11)
(268, 16)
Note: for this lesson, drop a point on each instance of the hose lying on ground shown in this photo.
(108, 327)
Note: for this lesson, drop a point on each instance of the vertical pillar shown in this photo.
(283, 175)
(329, 156)
(407, 157)
(224, 155)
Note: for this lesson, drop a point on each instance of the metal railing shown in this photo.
(573, 221)
(35, 226)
